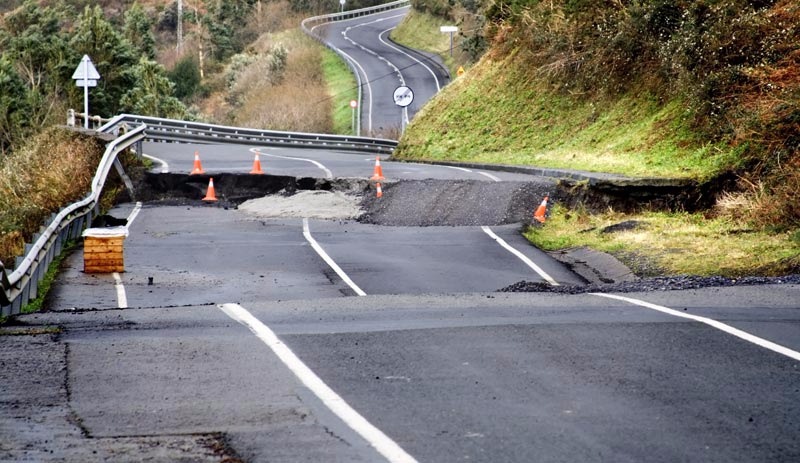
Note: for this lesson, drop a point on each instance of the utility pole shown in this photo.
(180, 25)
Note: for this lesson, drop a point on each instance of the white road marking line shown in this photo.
(329, 260)
(366, 77)
(710, 322)
(134, 213)
(521, 256)
(436, 79)
(374, 436)
(164, 164)
(496, 179)
(463, 169)
(328, 173)
(122, 299)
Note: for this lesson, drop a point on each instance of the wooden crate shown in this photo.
(103, 250)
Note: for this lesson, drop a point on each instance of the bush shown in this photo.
(54, 169)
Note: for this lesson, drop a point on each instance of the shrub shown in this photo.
(54, 169)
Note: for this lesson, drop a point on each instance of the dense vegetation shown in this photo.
(691, 88)
(144, 67)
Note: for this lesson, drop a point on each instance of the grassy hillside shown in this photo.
(497, 113)
(689, 90)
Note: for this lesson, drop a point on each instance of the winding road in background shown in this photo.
(295, 339)
(384, 66)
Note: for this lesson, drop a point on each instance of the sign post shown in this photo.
(353, 106)
(403, 96)
(86, 76)
(451, 30)
(341, 9)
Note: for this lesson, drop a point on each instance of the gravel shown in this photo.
(332, 205)
(650, 284)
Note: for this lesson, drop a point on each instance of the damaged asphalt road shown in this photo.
(447, 373)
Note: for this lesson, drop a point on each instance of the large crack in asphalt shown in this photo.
(423, 203)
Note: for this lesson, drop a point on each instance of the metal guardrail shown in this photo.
(171, 130)
(308, 25)
(22, 285)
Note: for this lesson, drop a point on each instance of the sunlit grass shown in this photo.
(496, 114)
(341, 90)
(673, 243)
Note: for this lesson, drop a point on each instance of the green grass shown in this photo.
(421, 31)
(49, 277)
(497, 114)
(673, 243)
(342, 88)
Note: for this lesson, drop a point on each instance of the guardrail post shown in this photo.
(71, 118)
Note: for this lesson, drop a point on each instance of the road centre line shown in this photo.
(521, 256)
(710, 322)
(331, 263)
(122, 298)
(328, 173)
(374, 436)
(366, 78)
(436, 79)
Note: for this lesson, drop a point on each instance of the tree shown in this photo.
(186, 77)
(112, 55)
(32, 39)
(153, 93)
(139, 31)
(225, 23)
(13, 105)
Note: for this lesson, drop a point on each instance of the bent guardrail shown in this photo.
(22, 285)
(172, 130)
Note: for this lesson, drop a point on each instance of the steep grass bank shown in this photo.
(496, 113)
(592, 87)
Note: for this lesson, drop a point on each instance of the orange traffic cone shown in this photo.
(257, 166)
(541, 211)
(380, 191)
(378, 175)
(198, 168)
(210, 194)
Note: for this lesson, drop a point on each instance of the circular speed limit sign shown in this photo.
(403, 96)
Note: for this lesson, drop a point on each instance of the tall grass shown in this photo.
(54, 169)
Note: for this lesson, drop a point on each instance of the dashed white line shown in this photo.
(710, 322)
(328, 173)
(122, 298)
(331, 263)
(521, 256)
(436, 79)
(374, 436)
